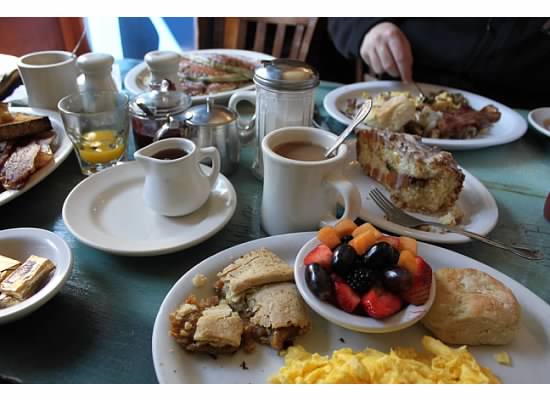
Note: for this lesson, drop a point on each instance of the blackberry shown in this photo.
(346, 239)
(361, 279)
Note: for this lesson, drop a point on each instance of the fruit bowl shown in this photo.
(408, 316)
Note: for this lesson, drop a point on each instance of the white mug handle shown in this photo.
(213, 154)
(246, 133)
(350, 194)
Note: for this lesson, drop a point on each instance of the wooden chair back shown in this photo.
(235, 31)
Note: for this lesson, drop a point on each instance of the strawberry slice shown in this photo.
(321, 255)
(419, 291)
(379, 303)
(346, 298)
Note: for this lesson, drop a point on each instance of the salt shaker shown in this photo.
(163, 65)
(97, 68)
(284, 97)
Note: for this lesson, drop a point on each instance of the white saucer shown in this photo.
(477, 203)
(537, 117)
(106, 211)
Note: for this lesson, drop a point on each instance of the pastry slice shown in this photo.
(419, 177)
(277, 315)
(256, 268)
(206, 326)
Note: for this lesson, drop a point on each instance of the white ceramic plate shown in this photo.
(477, 203)
(402, 320)
(63, 150)
(510, 127)
(529, 351)
(19, 244)
(106, 211)
(139, 74)
(537, 117)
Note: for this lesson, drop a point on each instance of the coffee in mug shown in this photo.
(301, 151)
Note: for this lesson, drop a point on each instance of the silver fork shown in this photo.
(399, 217)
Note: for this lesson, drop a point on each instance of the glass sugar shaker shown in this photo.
(284, 97)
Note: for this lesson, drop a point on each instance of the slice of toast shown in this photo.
(24, 125)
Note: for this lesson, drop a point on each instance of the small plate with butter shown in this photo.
(34, 266)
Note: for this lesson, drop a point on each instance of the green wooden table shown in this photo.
(98, 328)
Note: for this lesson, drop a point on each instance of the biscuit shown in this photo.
(472, 308)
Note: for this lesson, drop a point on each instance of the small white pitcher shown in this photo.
(176, 187)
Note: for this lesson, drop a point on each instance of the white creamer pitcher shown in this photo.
(175, 182)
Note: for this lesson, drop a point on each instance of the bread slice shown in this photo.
(473, 308)
(419, 177)
(24, 125)
(256, 268)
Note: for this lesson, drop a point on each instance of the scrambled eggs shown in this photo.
(401, 365)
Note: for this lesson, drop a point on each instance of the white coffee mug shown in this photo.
(48, 76)
(301, 195)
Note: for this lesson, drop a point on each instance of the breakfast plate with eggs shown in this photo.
(502, 125)
(524, 359)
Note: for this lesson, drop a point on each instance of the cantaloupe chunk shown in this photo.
(407, 243)
(366, 227)
(327, 235)
(407, 260)
(345, 227)
(363, 242)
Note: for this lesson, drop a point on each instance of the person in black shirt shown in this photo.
(507, 59)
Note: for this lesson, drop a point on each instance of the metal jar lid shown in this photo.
(161, 102)
(209, 114)
(286, 74)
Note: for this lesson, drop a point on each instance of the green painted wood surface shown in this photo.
(98, 328)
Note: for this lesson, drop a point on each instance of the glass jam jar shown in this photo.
(150, 110)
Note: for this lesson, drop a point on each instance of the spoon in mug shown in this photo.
(359, 117)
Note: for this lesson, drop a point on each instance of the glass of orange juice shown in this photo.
(97, 124)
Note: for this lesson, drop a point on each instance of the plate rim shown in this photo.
(534, 124)
(130, 79)
(535, 301)
(331, 99)
(21, 310)
(140, 252)
(64, 150)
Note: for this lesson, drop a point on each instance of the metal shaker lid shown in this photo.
(286, 74)
(209, 114)
(162, 102)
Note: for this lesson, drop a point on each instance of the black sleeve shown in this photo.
(347, 33)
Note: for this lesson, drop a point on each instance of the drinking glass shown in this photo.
(97, 124)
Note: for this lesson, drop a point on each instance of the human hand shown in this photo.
(385, 48)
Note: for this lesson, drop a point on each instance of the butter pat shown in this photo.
(7, 266)
(27, 278)
(503, 358)
(7, 301)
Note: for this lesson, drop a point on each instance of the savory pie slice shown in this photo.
(206, 326)
(419, 177)
(256, 268)
(278, 314)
